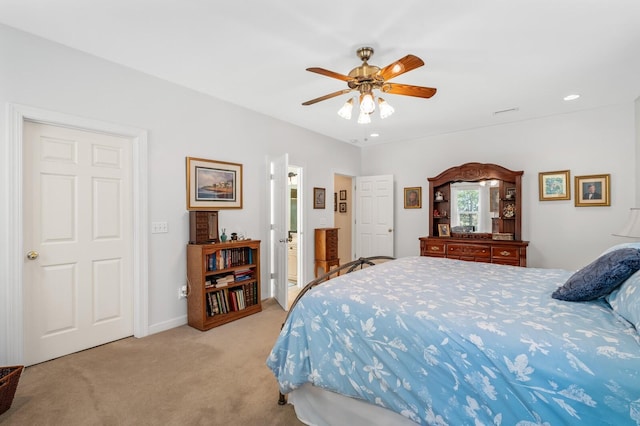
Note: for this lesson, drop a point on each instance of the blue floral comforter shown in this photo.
(447, 342)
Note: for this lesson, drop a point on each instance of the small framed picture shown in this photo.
(319, 198)
(343, 207)
(592, 191)
(343, 194)
(443, 230)
(335, 201)
(553, 186)
(413, 197)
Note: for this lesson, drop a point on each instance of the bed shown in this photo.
(434, 341)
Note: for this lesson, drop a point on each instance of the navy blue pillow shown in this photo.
(600, 277)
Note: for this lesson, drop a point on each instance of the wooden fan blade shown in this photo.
(330, 74)
(407, 90)
(408, 63)
(325, 97)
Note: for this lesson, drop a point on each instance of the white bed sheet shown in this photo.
(318, 407)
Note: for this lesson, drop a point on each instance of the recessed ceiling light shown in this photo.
(571, 97)
(374, 135)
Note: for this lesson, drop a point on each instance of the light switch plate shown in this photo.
(159, 227)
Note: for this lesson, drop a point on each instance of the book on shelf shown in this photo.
(212, 305)
(243, 274)
(224, 281)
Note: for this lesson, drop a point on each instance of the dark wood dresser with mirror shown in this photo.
(475, 214)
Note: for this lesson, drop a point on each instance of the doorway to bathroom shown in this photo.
(294, 237)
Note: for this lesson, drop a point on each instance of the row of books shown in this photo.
(219, 280)
(228, 258)
(243, 274)
(231, 300)
(223, 280)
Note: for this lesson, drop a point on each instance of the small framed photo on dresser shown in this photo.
(443, 230)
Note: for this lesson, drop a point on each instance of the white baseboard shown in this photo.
(167, 325)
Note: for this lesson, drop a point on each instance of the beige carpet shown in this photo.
(179, 377)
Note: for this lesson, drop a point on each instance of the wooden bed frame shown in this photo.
(360, 263)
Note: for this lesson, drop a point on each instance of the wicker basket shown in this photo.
(9, 377)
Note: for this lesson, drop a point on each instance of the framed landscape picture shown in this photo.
(213, 185)
(554, 185)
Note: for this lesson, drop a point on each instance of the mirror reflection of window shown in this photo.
(293, 226)
(470, 204)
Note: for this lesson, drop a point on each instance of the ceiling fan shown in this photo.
(366, 78)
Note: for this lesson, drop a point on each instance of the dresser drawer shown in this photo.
(469, 251)
(505, 252)
(506, 255)
(430, 248)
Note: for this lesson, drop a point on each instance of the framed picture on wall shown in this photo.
(592, 191)
(554, 185)
(335, 201)
(318, 198)
(413, 197)
(343, 207)
(213, 185)
(343, 194)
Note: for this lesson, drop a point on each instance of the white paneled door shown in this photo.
(77, 240)
(374, 216)
(278, 224)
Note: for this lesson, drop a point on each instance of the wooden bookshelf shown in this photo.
(223, 282)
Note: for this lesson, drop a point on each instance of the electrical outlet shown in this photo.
(182, 292)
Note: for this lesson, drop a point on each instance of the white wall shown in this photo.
(599, 141)
(181, 123)
(344, 221)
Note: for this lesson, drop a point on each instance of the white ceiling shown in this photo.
(482, 56)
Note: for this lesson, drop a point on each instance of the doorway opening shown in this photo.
(294, 233)
(343, 196)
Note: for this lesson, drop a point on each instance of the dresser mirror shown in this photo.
(475, 214)
(473, 206)
(476, 200)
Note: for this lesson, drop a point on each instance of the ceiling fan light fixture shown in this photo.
(364, 118)
(367, 104)
(385, 109)
(345, 111)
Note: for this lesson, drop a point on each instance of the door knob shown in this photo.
(32, 255)
(283, 240)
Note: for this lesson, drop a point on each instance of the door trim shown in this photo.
(11, 254)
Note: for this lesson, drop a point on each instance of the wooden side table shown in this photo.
(326, 265)
(326, 255)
